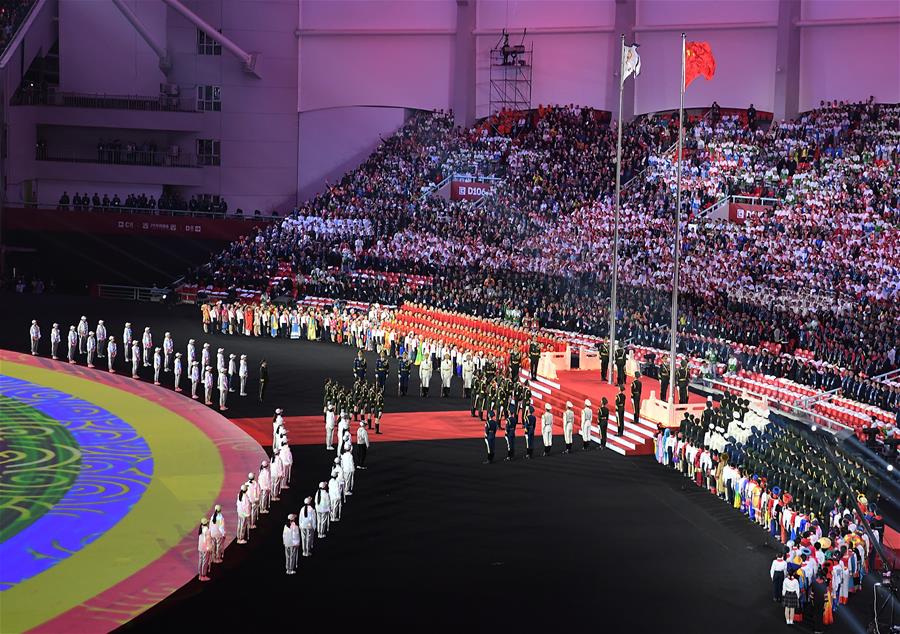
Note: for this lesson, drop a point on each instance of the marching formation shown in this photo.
(195, 369)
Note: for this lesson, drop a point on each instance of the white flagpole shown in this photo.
(615, 261)
(673, 349)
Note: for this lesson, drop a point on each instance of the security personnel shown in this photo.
(636, 397)
(603, 351)
(381, 371)
(511, 421)
(682, 376)
(534, 357)
(664, 376)
(620, 409)
(490, 434)
(529, 421)
(603, 421)
(515, 363)
(620, 360)
(403, 370)
(359, 367)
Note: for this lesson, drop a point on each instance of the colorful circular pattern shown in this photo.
(116, 467)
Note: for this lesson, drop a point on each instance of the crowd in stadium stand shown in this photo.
(818, 270)
(12, 14)
(142, 202)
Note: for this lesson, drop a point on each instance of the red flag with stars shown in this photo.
(698, 60)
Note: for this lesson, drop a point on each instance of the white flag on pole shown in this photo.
(632, 62)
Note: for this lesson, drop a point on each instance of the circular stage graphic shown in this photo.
(102, 484)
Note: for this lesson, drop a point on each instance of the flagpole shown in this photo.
(615, 261)
(673, 349)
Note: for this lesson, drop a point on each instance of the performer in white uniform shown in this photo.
(55, 338)
(157, 365)
(568, 420)
(223, 391)
(135, 358)
(102, 338)
(265, 487)
(179, 369)
(73, 343)
(195, 379)
(587, 419)
(290, 537)
(111, 351)
(204, 549)
(468, 374)
(242, 374)
(243, 513)
(83, 330)
(232, 370)
(287, 460)
(127, 336)
(329, 427)
(147, 341)
(334, 496)
(191, 352)
(307, 526)
(253, 492)
(168, 350)
(348, 468)
(547, 429)
(217, 532)
(35, 334)
(323, 510)
(91, 349)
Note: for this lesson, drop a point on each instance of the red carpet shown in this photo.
(310, 430)
(587, 382)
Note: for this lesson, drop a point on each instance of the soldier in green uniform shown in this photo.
(664, 377)
(620, 358)
(490, 370)
(620, 409)
(534, 357)
(515, 363)
(603, 420)
(404, 367)
(682, 376)
(603, 351)
(379, 410)
(476, 390)
(381, 371)
(636, 388)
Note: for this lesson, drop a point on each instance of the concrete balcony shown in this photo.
(149, 168)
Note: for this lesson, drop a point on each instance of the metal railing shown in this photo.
(130, 293)
(139, 158)
(29, 96)
(112, 209)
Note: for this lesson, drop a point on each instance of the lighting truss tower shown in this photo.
(510, 75)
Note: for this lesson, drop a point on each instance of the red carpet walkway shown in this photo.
(310, 430)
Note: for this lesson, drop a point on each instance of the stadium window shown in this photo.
(207, 45)
(209, 98)
(208, 151)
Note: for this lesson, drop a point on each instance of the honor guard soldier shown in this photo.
(35, 334)
(511, 420)
(587, 418)
(620, 409)
(620, 359)
(425, 370)
(490, 434)
(468, 374)
(379, 410)
(534, 357)
(603, 351)
(263, 380)
(476, 394)
(603, 421)
(359, 367)
(179, 368)
(403, 369)
(55, 338)
(102, 338)
(381, 371)
(515, 364)
(547, 428)
(490, 370)
(529, 422)
(111, 350)
(636, 388)
(682, 376)
(446, 375)
(664, 376)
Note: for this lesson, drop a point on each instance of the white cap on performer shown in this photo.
(587, 402)
(127, 324)
(100, 321)
(146, 328)
(168, 334)
(190, 341)
(322, 485)
(231, 356)
(243, 356)
(83, 317)
(569, 404)
(177, 354)
(218, 508)
(71, 327)
(307, 500)
(548, 407)
(33, 322)
(250, 476)
(55, 325)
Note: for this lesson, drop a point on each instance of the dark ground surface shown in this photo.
(433, 538)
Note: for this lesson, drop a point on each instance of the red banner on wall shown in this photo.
(739, 212)
(113, 223)
(471, 190)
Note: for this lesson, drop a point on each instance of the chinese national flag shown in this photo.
(698, 60)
